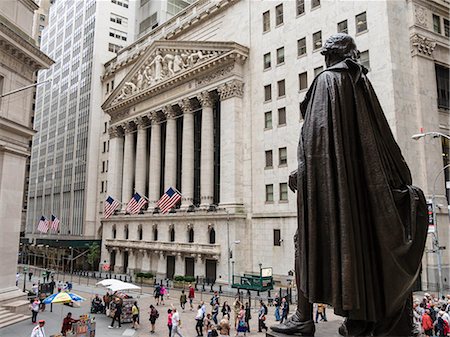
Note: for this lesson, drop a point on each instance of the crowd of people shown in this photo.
(432, 315)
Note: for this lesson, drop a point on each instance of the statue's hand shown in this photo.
(293, 181)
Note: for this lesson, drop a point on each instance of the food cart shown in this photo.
(127, 305)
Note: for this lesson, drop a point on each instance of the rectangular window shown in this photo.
(282, 156)
(446, 28)
(104, 147)
(315, 3)
(105, 127)
(283, 192)
(279, 14)
(267, 92)
(277, 237)
(317, 40)
(112, 85)
(281, 116)
(280, 55)
(107, 87)
(102, 189)
(269, 193)
(342, 27)
(269, 159)
(361, 22)
(437, 24)
(281, 88)
(301, 47)
(41, 28)
(364, 59)
(442, 82)
(300, 7)
(114, 48)
(268, 120)
(266, 21)
(303, 81)
(42, 17)
(317, 71)
(267, 61)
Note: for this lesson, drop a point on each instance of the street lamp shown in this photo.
(436, 247)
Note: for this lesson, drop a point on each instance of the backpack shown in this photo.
(265, 310)
(212, 300)
(156, 314)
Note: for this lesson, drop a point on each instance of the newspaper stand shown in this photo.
(127, 305)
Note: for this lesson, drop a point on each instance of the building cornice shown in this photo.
(33, 6)
(438, 6)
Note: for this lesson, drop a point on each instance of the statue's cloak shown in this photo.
(361, 225)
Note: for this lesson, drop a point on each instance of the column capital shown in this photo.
(234, 88)
(206, 99)
(129, 126)
(186, 106)
(154, 117)
(169, 112)
(115, 131)
(422, 45)
(142, 122)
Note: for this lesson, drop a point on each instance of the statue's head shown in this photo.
(339, 47)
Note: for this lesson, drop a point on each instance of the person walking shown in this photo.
(248, 316)
(169, 321)
(215, 312)
(34, 307)
(176, 323)
(277, 303)
(30, 275)
(117, 313)
(183, 300)
(320, 311)
(284, 310)
(157, 293)
(226, 310)
(191, 296)
(207, 324)
(199, 321)
(135, 315)
(162, 293)
(38, 330)
(241, 326)
(154, 314)
(262, 317)
(236, 308)
(427, 323)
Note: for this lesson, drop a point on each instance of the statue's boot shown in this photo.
(294, 326)
(351, 327)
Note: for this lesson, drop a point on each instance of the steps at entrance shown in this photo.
(8, 318)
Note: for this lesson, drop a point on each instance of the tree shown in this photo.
(93, 254)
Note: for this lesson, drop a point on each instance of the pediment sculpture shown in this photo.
(163, 65)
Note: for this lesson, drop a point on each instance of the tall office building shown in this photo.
(208, 102)
(80, 37)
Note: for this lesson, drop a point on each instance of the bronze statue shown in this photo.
(361, 224)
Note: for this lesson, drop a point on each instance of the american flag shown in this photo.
(135, 204)
(168, 200)
(109, 207)
(54, 224)
(43, 225)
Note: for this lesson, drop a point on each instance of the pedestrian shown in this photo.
(183, 300)
(207, 324)
(35, 289)
(262, 317)
(135, 315)
(224, 327)
(199, 321)
(117, 313)
(17, 279)
(162, 292)
(215, 312)
(52, 285)
(427, 323)
(248, 316)
(154, 315)
(202, 303)
(191, 296)
(226, 310)
(442, 325)
(236, 308)
(157, 293)
(38, 330)
(277, 303)
(60, 286)
(169, 321)
(214, 299)
(67, 323)
(34, 307)
(321, 312)
(176, 323)
(107, 299)
(241, 326)
(284, 310)
(30, 275)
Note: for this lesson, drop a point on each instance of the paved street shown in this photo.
(54, 319)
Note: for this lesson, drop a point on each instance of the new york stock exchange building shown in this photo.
(208, 103)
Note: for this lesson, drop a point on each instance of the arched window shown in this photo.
(212, 236)
(126, 232)
(191, 235)
(140, 233)
(114, 232)
(172, 234)
(155, 234)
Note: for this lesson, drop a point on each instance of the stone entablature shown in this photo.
(208, 250)
(168, 64)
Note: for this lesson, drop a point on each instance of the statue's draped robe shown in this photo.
(361, 226)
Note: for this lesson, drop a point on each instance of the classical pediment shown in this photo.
(167, 63)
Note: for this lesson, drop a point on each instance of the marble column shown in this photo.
(155, 160)
(161, 271)
(231, 147)
(131, 262)
(179, 265)
(199, 266)
(187, 163)
(128, 163)
(146, 262)
(207, 150)
(141, 155)
(170, 164)
(118, 267)
(115, 159)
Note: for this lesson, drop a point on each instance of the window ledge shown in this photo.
(363, 32)
(268, 168)
(267, 69)
(280, 64)
(283, 165)
(281, 125)
(318, 50)
(284, 201)
(281, 97)
(301, 14)
(268, 101)
(302, 90)
(314, 8)
(266, 129)
(269, 202)
(301, 56)
(266, 31)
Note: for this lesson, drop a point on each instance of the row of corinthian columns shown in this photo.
(127, 160)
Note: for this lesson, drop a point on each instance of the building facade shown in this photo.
(19, 60)
(208, 102)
